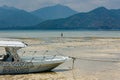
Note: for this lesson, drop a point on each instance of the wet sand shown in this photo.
(97, 58)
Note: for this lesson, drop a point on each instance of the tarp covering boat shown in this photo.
(12, 44)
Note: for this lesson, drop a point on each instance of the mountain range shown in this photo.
(98, 19)
(59, 17)
(11, 18)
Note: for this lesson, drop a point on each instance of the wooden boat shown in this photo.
(12, 63)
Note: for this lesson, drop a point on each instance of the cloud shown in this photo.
(79, 5)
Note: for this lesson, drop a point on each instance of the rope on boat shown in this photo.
(100, 60)
(75, 58)
(31, 59)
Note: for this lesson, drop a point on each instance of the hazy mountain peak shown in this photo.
(5, 6)
(54, 12)
(100, 9)
(59, 5)
(9, 8)
(10, 16)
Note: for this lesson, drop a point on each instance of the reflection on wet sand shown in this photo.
(96, 58)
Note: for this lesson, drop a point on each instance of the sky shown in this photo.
(78, 5)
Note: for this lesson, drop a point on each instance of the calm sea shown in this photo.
(38, 34)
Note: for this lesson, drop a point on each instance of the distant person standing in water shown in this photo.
(61, 34)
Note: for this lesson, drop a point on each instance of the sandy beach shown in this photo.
(98, 58)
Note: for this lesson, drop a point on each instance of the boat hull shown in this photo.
(28, 65)
(45, 67)
(20, 68)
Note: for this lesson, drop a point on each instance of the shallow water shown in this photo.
(38, 33)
